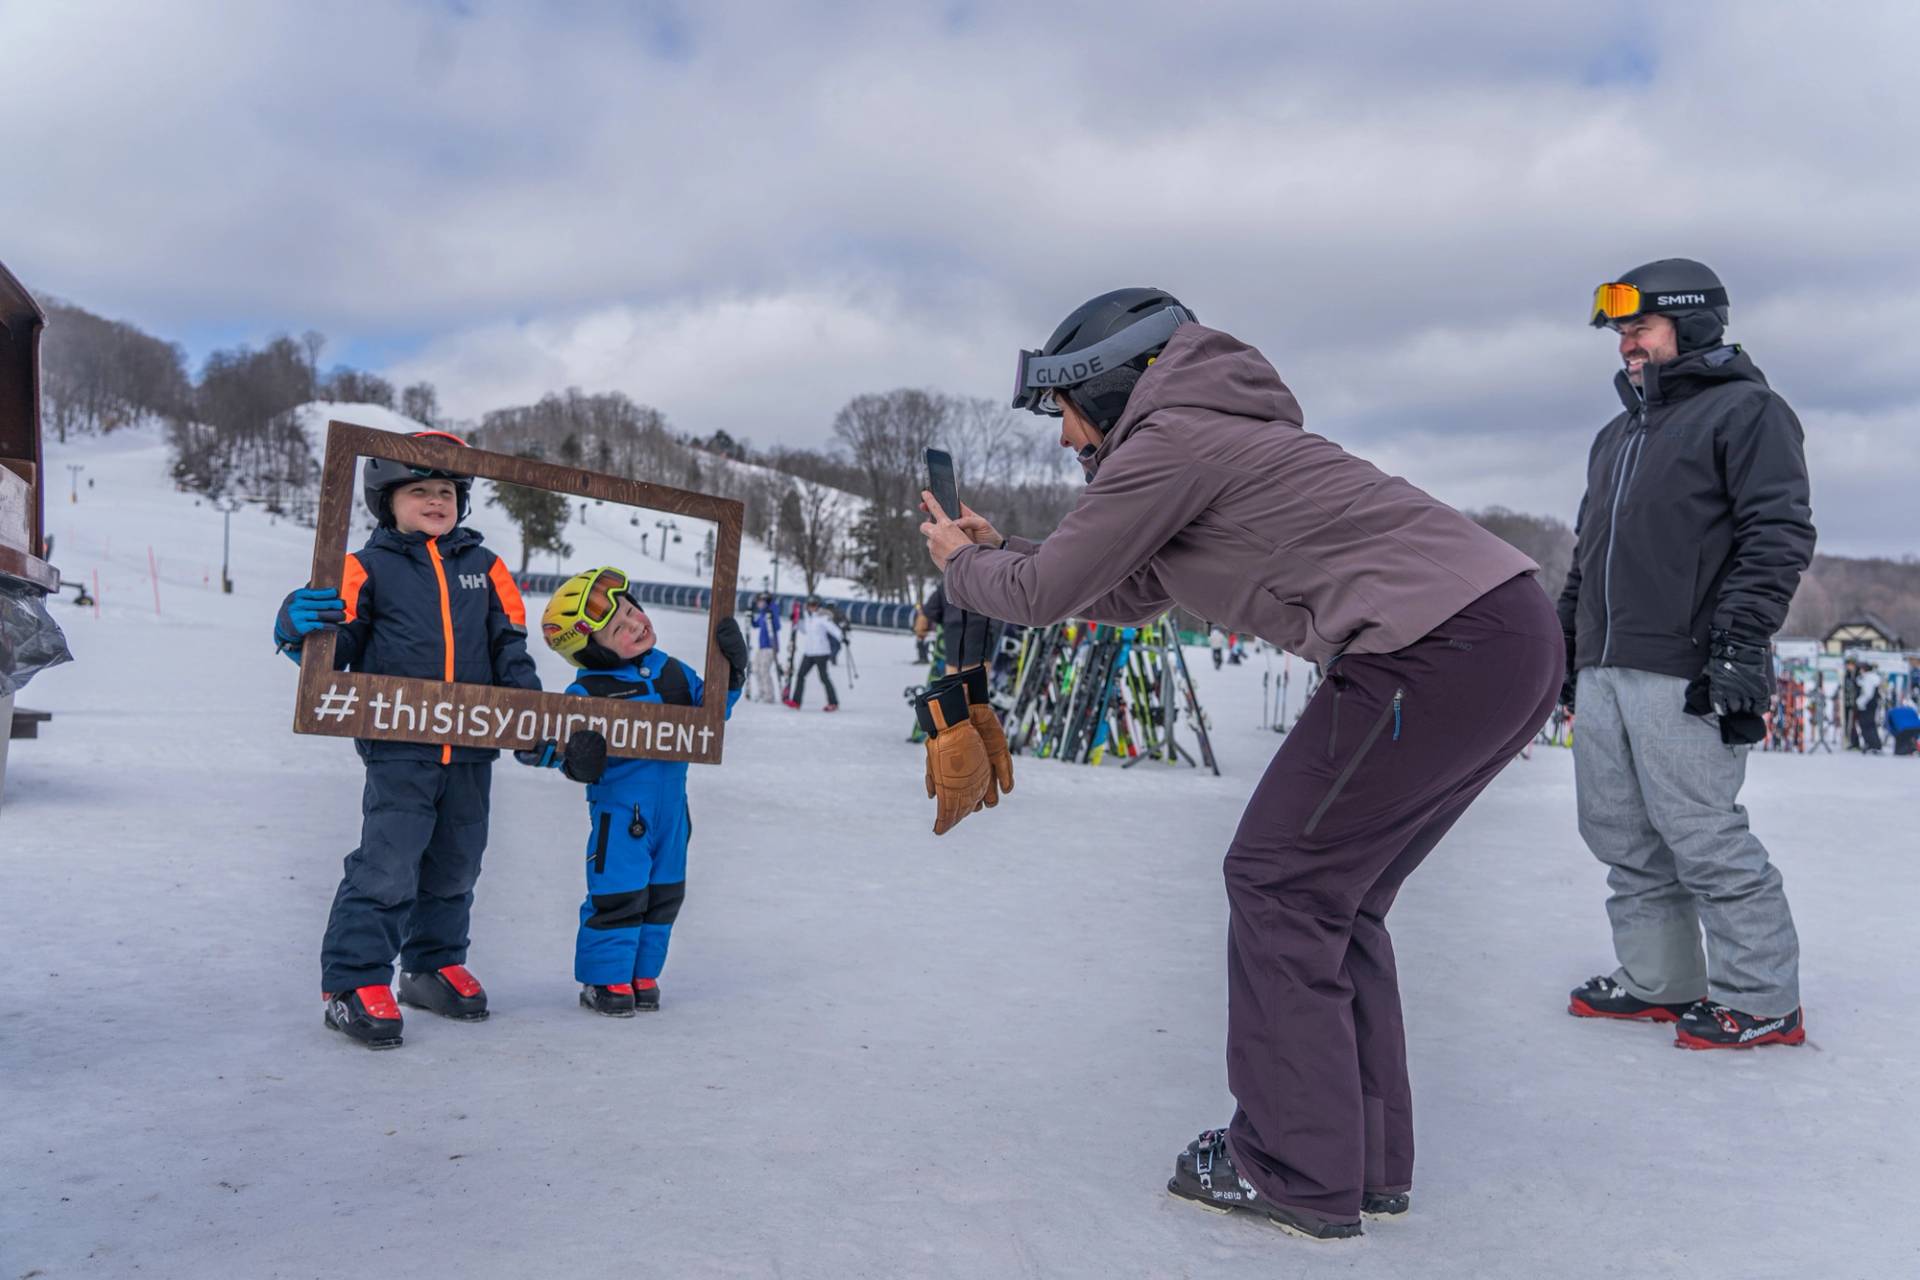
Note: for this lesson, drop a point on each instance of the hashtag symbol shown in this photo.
(335, 705)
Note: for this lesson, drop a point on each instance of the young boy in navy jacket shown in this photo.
(423, 598)
(636, 851)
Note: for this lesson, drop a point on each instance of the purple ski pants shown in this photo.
(1385, 759)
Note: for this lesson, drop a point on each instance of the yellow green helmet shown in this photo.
(581, 606)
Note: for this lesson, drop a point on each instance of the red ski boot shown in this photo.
(450, 991)
(367, 1014)
(1714, 1026)
(646, 995)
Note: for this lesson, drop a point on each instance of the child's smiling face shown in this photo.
(429, 506)
(629, 634)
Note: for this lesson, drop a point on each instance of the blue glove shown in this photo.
(305, 612)
(545, 756)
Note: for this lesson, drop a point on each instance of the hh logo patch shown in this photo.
(473, 581)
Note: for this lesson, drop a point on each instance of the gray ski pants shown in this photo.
(1657, 794)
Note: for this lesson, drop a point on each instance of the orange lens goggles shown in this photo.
(1615, 302)
(603, 597)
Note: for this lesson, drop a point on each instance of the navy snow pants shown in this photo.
(408, 889)
(1387, 756)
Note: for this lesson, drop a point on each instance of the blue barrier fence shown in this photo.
(868, 614)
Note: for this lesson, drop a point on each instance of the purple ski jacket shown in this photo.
(1210, 494)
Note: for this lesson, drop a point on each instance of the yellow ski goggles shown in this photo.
(583, 605)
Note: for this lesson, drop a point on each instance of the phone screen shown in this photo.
(941, 484)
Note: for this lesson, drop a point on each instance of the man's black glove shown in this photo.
(1572, 679)
(1739, 674)
(733, 647)
(584, 760)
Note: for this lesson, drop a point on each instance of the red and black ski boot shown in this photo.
(450, 991)
(791, 702)
(646, 995)
(367, 1014)
(1714, 1026)
(615, 1001)
(1605, 998)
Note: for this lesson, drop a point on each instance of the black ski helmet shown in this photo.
(1686, 290)
(1098, 352)
(380, 476)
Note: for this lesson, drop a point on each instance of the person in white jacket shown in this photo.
(817, 634)
(1867, 708)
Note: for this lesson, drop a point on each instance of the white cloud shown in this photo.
(747, 214)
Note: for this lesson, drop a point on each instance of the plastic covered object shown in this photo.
(30, 640)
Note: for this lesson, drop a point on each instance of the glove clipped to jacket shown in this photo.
(959, 774)
(583, 760)
(986, 722)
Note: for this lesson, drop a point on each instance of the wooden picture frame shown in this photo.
(352, 704)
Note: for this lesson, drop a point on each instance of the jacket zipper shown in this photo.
(446, 627)
(600, 844)
(1629, 459)
(1390, 714)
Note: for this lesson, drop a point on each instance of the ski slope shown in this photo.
(881, 1053)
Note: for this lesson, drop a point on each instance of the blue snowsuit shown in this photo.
(408, 888)
(637, 840)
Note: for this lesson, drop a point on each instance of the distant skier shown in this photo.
(1442, 656)
(1217, 641)
(1866, 709)
(1691, 538)
(818, 637)
(765, 621)
(638, 820)
(422, 598)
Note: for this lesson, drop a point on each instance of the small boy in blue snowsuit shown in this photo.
(423, 598)
(636, 854)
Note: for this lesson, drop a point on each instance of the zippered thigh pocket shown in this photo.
(600, 843)
(1389, 715)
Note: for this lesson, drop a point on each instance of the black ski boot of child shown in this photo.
(368, 1015)
(1605, 998)
(646, 995)
(1204, 1174)
(450, 991)
(615, 1001)
(1714, 1026)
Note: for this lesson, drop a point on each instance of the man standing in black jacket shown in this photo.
(1691, 537)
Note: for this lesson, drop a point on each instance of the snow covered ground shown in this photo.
(882, 1053)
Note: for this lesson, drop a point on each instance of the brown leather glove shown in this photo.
(959, 776)
(987, 724)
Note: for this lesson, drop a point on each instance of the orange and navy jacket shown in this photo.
(436, 608)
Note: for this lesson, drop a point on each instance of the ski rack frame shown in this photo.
(352, 704)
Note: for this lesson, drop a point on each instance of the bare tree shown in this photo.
(420, 402)
(887, 437)
(812, 522)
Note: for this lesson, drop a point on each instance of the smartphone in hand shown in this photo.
(941, 484)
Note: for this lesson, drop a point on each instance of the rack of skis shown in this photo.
(1090, 693)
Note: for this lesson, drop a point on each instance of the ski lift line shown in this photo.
(868, 615)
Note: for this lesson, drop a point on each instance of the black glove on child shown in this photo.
(733, 647)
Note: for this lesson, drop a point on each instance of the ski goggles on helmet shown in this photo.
(1038, 375)
(1615, 301)
(583, 605)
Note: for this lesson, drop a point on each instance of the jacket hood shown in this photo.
(1690, 374)
(1204, 369)
(458, 538)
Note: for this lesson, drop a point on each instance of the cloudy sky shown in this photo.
(744, 214)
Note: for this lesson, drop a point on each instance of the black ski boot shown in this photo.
(1204, 1174)
(450, 991)
(1714, 1026)
(646, 995)
(1383, 1204)
(613, 1002)
(1604, 998)
(367, 1014)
